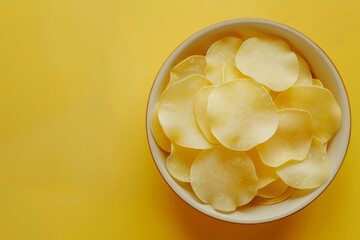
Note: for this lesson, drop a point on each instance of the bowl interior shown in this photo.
(321, 67)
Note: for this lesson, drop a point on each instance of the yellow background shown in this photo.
(74, 82)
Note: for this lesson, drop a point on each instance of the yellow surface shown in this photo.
(74, 82)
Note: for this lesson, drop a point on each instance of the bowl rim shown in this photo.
(211, 28)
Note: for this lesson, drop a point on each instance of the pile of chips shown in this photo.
(247, 122)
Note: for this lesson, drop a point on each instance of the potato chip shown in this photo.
(269, 62)
(224, 178)
(311, 172)
(201, 104)
(179, 162)
(176, 112)
(291, 140)
(241, 114)
(265, 173)
(221, 52)
(268, 201)
(273, 189)
(305, 77)
(319, 102)
(157, 131)
(194, 64)
(317, 82)
(231, 73)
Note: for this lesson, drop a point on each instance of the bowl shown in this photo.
(322, 68)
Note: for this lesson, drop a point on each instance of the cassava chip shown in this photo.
(201, 104)
(267, 201)
(221, 53)
(311, 172)
(305, 77)
(265, 173)
(179, 162)
(241, 114)
(273, 189)
(158, 132)
(231, 73)
(176, 112)
(269, 62)
(194, 64)
(291, 140)
(224, 178)
(319, 102)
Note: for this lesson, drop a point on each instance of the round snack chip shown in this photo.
(221, 53)
(269, 62)
(176, 112)
(231, 74)
(265, 173)
(241, 114)
(311, 172)
(268, 201)
(179, 162)
(224, 178)
(194, 64)
(319, 102)
(305, 77)
(273, 189)
(291, 140)
(201, 104)
(157, 131)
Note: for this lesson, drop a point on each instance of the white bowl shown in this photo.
(322, 68)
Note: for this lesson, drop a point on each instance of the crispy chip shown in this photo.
(305, 77)
(192, 65)
(224, 178)
(158, 132)
(231, 74)
(317, 82)
(241, 114)
(269, 62)
(273, 189)
(291, 140)
(311, 172)
(319, 102)
(201, 104)
(265, 173)
(221, 53)
(176, 112)
(179, 162)
(268, 201)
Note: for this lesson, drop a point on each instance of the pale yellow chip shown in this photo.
(224, 178)
(268, 201)
(273, 189)
(241, 114)
(179, 162)
(305, 77)
(317, 82)
(194, 64)
(231, 73)
(265, 173)
(157, 131)
(319, 102)
(269, 62)
(221, 53)
(176, 112)
(291, 140)
(309, 173)
(201, 104)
